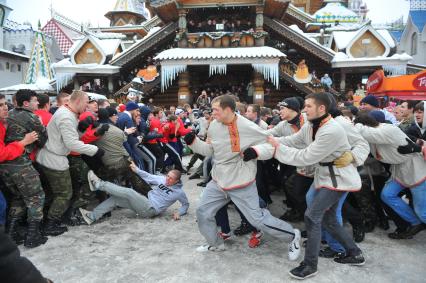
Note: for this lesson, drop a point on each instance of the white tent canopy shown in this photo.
(263, 59)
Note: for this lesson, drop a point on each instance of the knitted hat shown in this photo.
(378, 115)
(370, 99)
(131, 106)
(290, 103)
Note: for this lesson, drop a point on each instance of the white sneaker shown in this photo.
(208, 248)
(294, 246)
(92, 178)
(86, 218)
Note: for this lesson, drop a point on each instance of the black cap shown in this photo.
(291, 103)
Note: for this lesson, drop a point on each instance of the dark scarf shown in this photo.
(295, 121)
(316, 123)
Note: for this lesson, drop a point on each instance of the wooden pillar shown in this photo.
(184, 95)
(259, 25)
(110, 84)
(182, 28)
(342, 80)
(76, 83)
(258, 95)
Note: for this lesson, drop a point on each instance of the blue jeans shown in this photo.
(3, 206)
(390, 197)
(332, 243)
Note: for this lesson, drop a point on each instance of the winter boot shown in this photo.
(53, 228)
(34, 238)
(243, 229)
(12, 231)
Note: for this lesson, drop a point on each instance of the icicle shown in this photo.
(217, 69)
(395, 70)
(169, 73)
(269, 71)
(63, 79)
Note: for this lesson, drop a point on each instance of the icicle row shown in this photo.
(395, 70)
(269, 71)
(218, 69)
(169, 73)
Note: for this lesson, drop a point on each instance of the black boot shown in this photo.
(12, 231)
(53, 228)
(358, 233)
(243, 229)
(34, 238)
(72, 217)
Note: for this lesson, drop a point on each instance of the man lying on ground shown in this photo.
(166, 190)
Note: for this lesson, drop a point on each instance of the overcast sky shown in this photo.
(93, 11)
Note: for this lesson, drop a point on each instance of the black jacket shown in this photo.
(13, 267)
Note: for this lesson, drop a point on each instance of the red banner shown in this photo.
(375, 81)
(420, 82)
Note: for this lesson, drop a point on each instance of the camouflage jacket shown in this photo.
(22, 121)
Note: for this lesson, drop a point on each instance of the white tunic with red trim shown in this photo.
(407, 169)
(301, 150)
(284, 129)
(227, 142)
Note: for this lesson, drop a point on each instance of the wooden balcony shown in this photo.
(221, 39)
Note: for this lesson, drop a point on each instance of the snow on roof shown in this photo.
(342, 38)
(219, 53)
(14, 53)
(296, 29)
(12, 25)
(343, 57)
(42, 84)
(387, 36)
(335, 12)
(108, 46)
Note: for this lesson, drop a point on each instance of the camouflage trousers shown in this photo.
(81, 193)
(60, 191)
(27, 195)
(122, 172)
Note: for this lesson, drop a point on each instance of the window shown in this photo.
(19, 67)
(414, 44)
(7, 66)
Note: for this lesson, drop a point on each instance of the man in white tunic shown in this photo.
(233, 179)
(321, 141)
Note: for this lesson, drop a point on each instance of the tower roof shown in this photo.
(135, 7)
(333, 12)
(39, 64)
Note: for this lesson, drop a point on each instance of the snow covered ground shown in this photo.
(126, 249)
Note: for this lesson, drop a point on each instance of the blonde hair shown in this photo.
(77, 95)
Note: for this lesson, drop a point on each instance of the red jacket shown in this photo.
(11, 151)
(182, 131)
(168, 129)
(155, 125)
(44, 115)
(88, 135)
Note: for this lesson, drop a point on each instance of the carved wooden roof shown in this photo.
(142, 47)
(323, 53)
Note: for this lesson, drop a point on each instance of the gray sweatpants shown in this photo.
(122, 197)
(247, 200)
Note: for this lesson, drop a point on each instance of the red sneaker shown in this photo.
(254, 240)
(224, 236)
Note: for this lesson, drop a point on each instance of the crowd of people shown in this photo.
(72, 164)
(219, 24)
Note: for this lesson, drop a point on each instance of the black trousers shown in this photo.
(158, 153)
